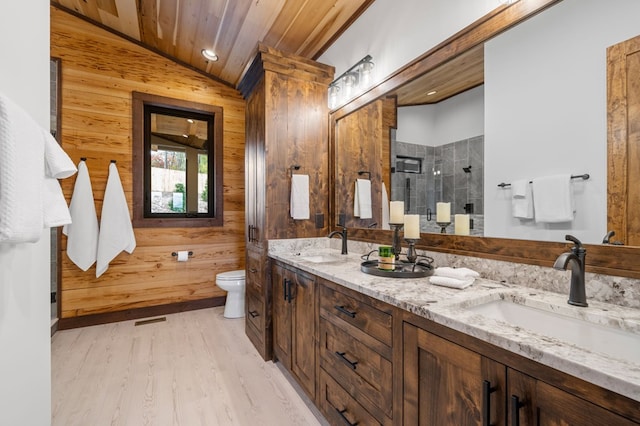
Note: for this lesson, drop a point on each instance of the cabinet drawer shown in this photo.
(255, 311)
(254, 271)
(364, 316)
(364, 373)
(339, 407)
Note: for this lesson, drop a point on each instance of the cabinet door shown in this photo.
(254, 168)
(304, 331)
(282, 283)
(446, 384)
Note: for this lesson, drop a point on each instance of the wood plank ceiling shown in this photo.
(180, 29)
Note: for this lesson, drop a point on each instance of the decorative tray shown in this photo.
(404, 269)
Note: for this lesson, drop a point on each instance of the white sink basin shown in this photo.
(606, 339)
(323, 258)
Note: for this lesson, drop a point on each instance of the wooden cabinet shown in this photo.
(356, 357)
(295, 324)
(446, 383)
(286, 131)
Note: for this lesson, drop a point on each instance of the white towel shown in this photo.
(29, 199)
(457, 273)
(385, 208)
(553, 199)
(362, 199)
(521, 199)
(116, 231)
(451, 282)
(299, 204)
(82, 233)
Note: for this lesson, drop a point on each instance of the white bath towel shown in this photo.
(30, 197)
(451, 282)
(385, 207)
(116, 230)
(457, 273)
(299, 204)
(82, 233)
(553, 199)
(521, 199)
(362, 199)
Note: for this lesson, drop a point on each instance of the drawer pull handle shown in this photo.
(254, 314)
(487, 390)
(351, 364)
(253, 270)
(341, 414)
(516, 405)
(345, 311)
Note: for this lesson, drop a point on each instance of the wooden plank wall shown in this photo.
(99, 72)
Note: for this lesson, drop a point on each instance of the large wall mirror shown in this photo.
(177, 162)
(539, 72)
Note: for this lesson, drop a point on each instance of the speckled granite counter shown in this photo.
(449, 307)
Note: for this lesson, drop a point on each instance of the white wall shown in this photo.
(457, 118)
(545, 100)
(25, 345)
(394, 33)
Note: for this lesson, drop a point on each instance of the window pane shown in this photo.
(203, 183)
(168, 181)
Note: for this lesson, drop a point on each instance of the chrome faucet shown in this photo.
(576, 257)
(343, 235)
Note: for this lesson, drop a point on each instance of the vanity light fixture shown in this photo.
(352, 82)
(209, 55)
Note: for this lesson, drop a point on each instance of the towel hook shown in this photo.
(83, 158)
(292, 168)
(364, 172)
(113, 161)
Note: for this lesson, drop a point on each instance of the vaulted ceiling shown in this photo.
(181, 29)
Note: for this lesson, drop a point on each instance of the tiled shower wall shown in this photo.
(442, 179)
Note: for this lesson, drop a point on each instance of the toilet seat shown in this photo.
(231, 275)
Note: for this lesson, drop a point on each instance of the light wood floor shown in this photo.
(196, 368)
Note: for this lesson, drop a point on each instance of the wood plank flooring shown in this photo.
(195, 368)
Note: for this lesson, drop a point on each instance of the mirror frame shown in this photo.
(602, 259)
(216, 189)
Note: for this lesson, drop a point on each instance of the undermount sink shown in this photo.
(609, 339)
(323, 258)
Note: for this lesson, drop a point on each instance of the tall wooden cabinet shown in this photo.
(286, 133)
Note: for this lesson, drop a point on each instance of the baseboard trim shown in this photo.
(131, 314)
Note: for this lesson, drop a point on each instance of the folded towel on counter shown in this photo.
(451, 282)
(553, 199)
(362, 199)
(521, 199)
(116, 230)
(457, 273)
(82, 233)
(385, 208)
(299, 204)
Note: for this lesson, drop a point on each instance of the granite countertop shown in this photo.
(617, 372)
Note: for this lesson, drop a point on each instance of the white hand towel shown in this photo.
(385, 207)
(21, 175)
(457, 273)
(362, 199)
(451, 282)
(553, 199)
(116, 231)
(299, 204)
(58, 165)
(521, 199)
(82, 233)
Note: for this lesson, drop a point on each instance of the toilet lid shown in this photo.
(231, 275)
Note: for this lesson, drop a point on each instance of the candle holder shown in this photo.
(443, 226)
(412, 255)
(397, 248)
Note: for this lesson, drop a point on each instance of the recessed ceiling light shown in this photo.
(209, 55)
(185, 136)
(190, 120)
(433, 92)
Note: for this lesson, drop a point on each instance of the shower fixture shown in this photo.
(467, 169)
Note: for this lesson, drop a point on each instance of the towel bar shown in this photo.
(584, 177)
(364, 172)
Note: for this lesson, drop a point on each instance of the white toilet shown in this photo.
(233, 282)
